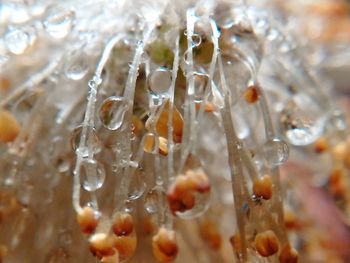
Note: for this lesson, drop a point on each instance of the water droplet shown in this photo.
(59, 23)
(112, 112)
(200, 83)
(19, 40)
(93, 174)
(159, 81)
(76, 68)
(137, 185)
(91, 138)
(275, 152)
(154, 199)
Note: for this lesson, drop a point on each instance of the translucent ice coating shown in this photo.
(162, 124)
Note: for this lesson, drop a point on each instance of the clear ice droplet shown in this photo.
(275, 152)
(59, 23)
(112, 112)
(159, 81)
(19, 40)
(93, 174)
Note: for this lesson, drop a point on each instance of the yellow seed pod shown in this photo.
(9, 126)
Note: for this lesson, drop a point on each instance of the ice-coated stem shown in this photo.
(234, 146)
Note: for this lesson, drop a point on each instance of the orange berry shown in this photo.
(288, 255)
(147, 225)
(125, 245)
(162, 123)
(88, 220)
(4, 84)
(266, 243)
(200, 180)
(251, 94)
(9, 126)
(163, 146)
(208, 107)
(340, 152)
(164, 245)
(101, 245)
(236, 243)
(210, 234)
(123, 224)
(137, 125)
(262, 187)
(290, 220)
(336, 182)
(321, 145)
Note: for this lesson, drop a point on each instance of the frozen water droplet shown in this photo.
(59, 23)
(202, 202)
(76, 68)
(159, 81)
(137, 185)
(112, 112)
(155, 199)
(337, 121)
(275, 152)
(93, 174)
(218, 98)
(91, 138)
(19, 40)
(302, 121)
(128, 206)
(62, 164)
(200, 83)
(196, 40)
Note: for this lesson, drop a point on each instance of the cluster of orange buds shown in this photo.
(109, 248)
(164, 245)
(262, 187)
(181, 194)
(210, 234)
(112, 249)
